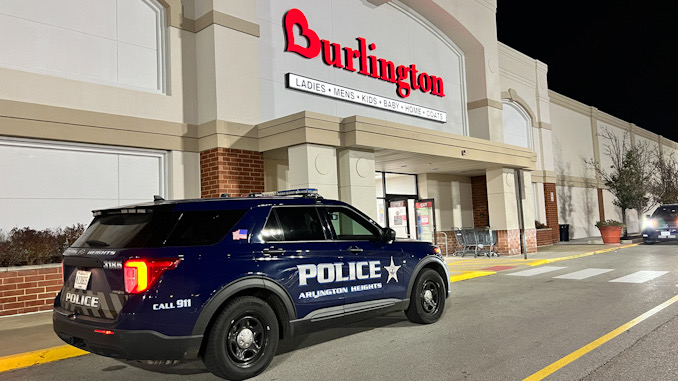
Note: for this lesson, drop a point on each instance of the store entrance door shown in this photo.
(400, 215)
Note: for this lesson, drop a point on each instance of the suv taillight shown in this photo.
(141, 274)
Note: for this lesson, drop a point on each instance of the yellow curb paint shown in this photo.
(598, 342)
(470, 275)
(41, 356)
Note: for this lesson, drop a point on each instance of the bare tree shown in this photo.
(629, 175)
(663, 188)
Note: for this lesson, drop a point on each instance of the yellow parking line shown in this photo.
(41, 356)
(598, 342)
(469, 275)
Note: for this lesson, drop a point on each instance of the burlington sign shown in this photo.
(406, 78)
(314, 86)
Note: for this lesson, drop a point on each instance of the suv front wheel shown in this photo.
(243, 340)
(428, 298)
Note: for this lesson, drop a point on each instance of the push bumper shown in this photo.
(123, 344)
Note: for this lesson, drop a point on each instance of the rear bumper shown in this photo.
(123, 344)
(665, 235)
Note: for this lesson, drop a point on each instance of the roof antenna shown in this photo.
(157, 198)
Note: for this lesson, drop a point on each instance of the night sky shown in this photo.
(618, 56)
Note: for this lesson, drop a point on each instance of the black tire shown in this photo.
(427, 301)
(243, 340)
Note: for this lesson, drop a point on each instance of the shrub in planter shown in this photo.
(610, 230)
(26, 246)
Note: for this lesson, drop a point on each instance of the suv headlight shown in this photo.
(649, 223)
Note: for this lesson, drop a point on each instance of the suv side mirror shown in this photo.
(389, 235)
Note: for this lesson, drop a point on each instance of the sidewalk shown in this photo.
(28, 339)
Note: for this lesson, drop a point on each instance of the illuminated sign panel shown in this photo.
(314, 86)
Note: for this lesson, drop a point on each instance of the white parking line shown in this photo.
(583, 274)
(538, 270)
(639, 277)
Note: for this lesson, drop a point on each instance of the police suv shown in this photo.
(225, 279)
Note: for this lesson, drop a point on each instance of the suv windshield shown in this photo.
(666, 214)
(158, 229)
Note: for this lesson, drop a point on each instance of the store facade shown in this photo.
(410, 110)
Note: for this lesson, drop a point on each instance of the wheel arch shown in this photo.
(268, 290)
(430, 262)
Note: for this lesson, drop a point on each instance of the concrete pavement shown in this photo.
(28, 339)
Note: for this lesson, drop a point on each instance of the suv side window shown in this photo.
(293, 224)
(199, 228)
(349, 225)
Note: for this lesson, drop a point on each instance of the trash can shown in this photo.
(564, 232)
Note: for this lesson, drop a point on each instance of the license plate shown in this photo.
(82, 279)
(665, 234)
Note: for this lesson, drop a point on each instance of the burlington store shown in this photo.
(410, 110)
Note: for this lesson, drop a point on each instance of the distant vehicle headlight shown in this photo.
(649, 223)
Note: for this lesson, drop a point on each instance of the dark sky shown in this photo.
(618, 56)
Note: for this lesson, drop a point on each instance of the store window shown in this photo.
(517, 125)
(110, 42)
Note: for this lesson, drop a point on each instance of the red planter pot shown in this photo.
(611, 234)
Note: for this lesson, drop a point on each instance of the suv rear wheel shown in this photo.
(243, 340)
(428, 298)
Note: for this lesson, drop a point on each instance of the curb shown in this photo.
(40, 356)
(464, 275)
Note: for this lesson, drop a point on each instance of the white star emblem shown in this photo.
(392, 271)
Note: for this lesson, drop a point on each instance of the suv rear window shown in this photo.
(158, 229)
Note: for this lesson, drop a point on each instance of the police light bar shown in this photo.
(312, 192)
(300, 191)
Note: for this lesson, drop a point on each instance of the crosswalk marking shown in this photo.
(639, 277)
(536, 271)
(583, 274)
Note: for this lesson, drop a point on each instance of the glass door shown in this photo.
(426, 221)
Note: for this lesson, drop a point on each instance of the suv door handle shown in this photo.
(355, 249)
(273, 251)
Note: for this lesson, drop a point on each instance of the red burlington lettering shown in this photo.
(336, 61)
(296, 17)
(350, 55)
(407, 78)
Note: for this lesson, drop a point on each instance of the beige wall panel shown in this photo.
(537, 147)
(206, 75)
(184, 175)
(528, 200)
(572, 141)
(356, 180)
(275, 174)
(546, 149)
(540, 207)
(501, 199)
(518, 65)
(314, 166)
(244, 9)
(578, 207)
(237, 76)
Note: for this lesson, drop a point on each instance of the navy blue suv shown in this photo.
(225, 279)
